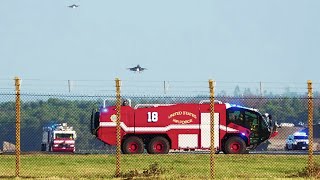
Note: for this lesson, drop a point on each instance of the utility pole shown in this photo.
(260, 88)
(69, 85)
(165, 86)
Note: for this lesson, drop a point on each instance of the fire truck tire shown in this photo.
(132, 145)
(286, 147)
(235, 145)
(158, 145)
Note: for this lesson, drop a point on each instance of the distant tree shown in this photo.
(247, 92)
(237, 92)
(222, 93)
(289, 93)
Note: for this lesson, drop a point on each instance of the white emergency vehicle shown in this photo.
(297, 141)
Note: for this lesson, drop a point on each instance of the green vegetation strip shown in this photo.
(173, 166)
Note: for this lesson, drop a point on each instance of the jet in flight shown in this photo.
(137, 68)
(73, 6)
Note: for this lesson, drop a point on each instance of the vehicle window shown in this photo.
(300, 137)
(249, 119)
(69, 136)
(245, 118)
(241, 117)
(233, 116)
(290, 137)
(252, 121)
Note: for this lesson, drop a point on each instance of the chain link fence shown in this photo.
(151, 145)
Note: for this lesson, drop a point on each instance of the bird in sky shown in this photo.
(73, 6)
(137, 68)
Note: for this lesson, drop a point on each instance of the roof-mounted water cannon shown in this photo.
(103, 107)
(126, 102)
(111, 99)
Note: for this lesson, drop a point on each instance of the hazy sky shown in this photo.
(187, 40)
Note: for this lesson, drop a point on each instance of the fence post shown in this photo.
(212, 149)
(17, 85)
(310, 126)
(118, 107)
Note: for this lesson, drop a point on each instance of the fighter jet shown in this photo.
(137, 68)
(73, 6)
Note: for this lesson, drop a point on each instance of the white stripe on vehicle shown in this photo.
(161, 129)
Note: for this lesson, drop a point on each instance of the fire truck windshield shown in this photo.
(243, 117)
(252, 120)
(64, 136)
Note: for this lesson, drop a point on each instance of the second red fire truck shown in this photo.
(159, 128)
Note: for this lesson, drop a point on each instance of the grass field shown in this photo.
(173, 166)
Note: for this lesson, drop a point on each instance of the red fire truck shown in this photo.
(159, 128)
(58, 138)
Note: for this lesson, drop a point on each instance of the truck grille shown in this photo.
(301, 143)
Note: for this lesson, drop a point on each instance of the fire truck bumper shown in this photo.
(273, 134)
(63, 149)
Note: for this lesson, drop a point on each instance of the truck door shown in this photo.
(205, 129)
(247, 121)
(252, 122)
(127, 117)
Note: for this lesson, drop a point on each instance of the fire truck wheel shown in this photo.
(286, 147)
(235, 145)
(132, 145)
(158, 145)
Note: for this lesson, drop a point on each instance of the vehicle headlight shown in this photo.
(295, 143)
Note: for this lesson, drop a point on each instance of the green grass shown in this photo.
(177, 166)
